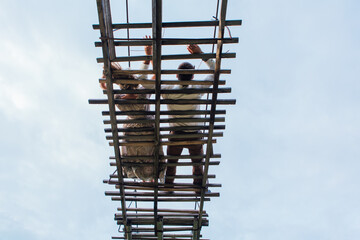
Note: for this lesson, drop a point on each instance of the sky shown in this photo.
(290, 152)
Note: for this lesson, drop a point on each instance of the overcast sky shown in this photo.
(290, 155)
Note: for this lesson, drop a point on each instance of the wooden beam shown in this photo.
(180, 112)
(108, 51)
(169, 57)
(157, 35)
(164, 101)
(169, 41)
(174, 24)
(209, 149)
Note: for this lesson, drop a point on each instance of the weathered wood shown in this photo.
(174, 24)
(144, 215)
(108, 51)
(161, 194)
(190, 112)
(167, 120)
(177, 128)
(209, 149)
(162, 210)
(162, 143)
(164, 82)
(174, 177)
(159, 199)
(166, 229)
(162, 136)
(171, 157)
(168, 57)
(167, 221)
(171, 91)
(169, 71)
(183, 164)
(170, 41)
(162, 185)
(165, 101)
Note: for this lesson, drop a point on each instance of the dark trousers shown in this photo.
(175, 150)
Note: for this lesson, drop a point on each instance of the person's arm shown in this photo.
(195, 49)
(146, 63)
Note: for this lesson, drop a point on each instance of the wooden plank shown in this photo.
(165, 82)
(170, 41)
(162, 210)
(160, 199)
(178, 128)
(167, 120)
(186, 112)
(174, 24)
(161, 185)
(209, 149)
(167, 221)
(164, 101)
(173, 136)
(183, 164)
(169, 57)
(170, 71)
(173, 177)
(171, 91)
(162, 143)
(108, 51)
(161, 194)
(166, 229)
(172, 157)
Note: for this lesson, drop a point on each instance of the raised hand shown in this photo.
(194, 49)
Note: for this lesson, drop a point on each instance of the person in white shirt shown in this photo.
(197, 149)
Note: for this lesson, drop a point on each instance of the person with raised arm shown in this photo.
(185, 127)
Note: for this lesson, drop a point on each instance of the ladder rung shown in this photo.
(171, 41)
(164, 143)
(165, 101)
(169, 57)
(164, 82)
(172, 91)
(183, 164)
(172, 136)
(167, 120)
(173, 24)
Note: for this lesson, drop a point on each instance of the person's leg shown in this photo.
(171, 170)
(196, 150)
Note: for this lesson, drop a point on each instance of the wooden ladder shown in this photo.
(157, 222)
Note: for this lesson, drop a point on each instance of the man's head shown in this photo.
(185, 77)
(115, 66)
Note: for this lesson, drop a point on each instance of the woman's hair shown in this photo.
(116, 66)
